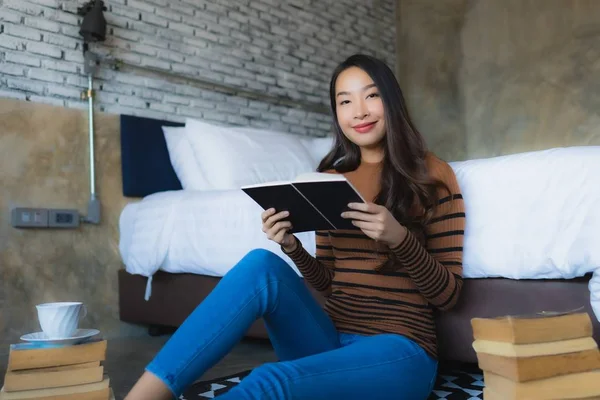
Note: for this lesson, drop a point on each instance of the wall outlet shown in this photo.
(22, 217)
(29, 217)
(63, 218)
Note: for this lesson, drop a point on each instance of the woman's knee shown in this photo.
(260, 261)
(271, 378)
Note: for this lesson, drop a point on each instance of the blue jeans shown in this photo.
(315, 360)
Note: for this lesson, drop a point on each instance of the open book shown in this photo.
(314, 200)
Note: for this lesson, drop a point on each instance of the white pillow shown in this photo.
(318, 147)
(183, 159)
(532, 215)
(229, 158)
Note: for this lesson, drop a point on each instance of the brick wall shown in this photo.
(263, 63)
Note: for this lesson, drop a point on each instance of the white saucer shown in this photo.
(80, 335)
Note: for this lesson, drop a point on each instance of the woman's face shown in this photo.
(359, 108)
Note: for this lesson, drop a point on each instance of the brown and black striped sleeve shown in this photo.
(436, 269)
(318, 271)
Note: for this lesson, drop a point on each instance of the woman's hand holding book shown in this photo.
(277, 230)
(377, 222)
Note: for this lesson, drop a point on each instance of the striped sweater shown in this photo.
(364, 301)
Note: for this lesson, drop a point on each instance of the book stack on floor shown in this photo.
(65, 372)
(542, 357)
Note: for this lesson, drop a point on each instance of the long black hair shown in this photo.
(405, 182)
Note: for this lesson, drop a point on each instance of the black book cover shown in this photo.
(315, 201)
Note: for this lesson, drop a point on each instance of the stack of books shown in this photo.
(57, 372)
(542, 356)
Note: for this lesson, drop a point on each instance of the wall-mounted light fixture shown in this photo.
(93, 29)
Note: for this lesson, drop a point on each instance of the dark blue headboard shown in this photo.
(145, 162)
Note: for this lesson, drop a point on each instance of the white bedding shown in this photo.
(531, 215)
(194, 231)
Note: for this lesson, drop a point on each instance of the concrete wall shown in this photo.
(493, 77)
(44, 163)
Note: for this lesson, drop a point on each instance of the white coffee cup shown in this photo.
(60, 320)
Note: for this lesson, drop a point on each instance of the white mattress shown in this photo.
(193, 231)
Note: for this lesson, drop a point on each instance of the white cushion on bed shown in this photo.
(211, 157)
(183, 159)
(532, 215)
(318, 147)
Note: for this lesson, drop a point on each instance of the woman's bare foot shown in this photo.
(149, 387)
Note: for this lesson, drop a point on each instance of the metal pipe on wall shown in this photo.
(90, 67)
(91, 135)
(287, 101)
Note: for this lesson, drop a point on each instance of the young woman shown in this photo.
(375, 338)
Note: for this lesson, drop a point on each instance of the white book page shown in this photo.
(273, 183)
(319, 176)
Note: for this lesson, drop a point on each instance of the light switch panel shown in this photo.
(22, 217)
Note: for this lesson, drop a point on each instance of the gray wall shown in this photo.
(258, 53)
(494, 77)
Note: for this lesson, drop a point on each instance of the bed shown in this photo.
(174, 254)
(158, 287)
